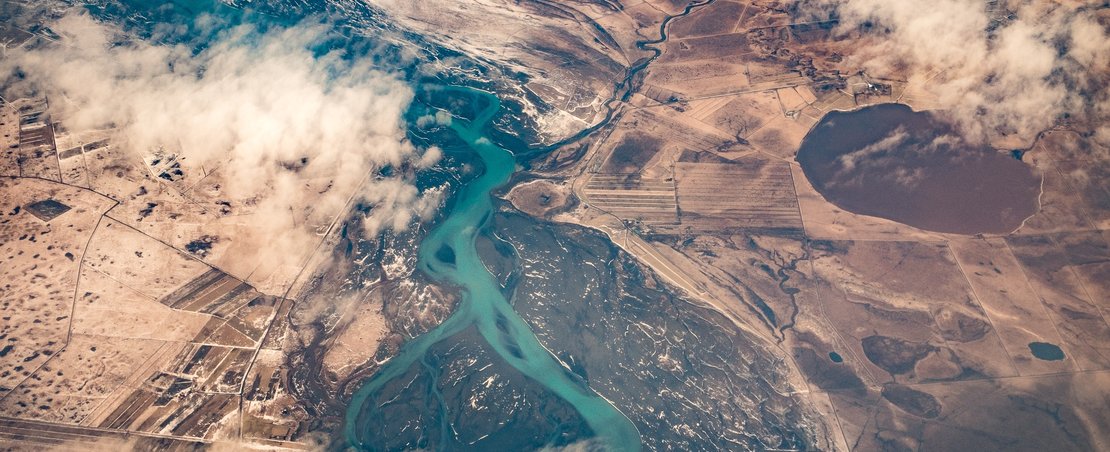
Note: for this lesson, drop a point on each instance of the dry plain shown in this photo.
(903, 338)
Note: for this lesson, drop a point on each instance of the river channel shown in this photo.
(449, 256)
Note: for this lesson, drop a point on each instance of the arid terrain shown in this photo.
(902, 338)
(144, 305)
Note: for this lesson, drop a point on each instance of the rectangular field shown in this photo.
(751, 194)
(629, 197)
(213, 292)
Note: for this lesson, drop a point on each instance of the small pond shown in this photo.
(1046, 351)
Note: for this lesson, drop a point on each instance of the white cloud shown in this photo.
(260, 108)
(897, 157)
(1000, 74)
(887, 144)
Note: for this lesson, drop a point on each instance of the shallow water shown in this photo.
(911, 167)
(449, 255)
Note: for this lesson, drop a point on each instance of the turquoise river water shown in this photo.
(449, 256)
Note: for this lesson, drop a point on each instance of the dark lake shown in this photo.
(1046, 351)
(912, 167)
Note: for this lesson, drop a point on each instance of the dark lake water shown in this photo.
(1046, 351)
(912, 167)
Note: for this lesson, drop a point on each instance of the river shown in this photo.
(449, 256)
(606, 343)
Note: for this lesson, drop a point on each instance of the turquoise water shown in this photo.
(449, 255)
(482, 304)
